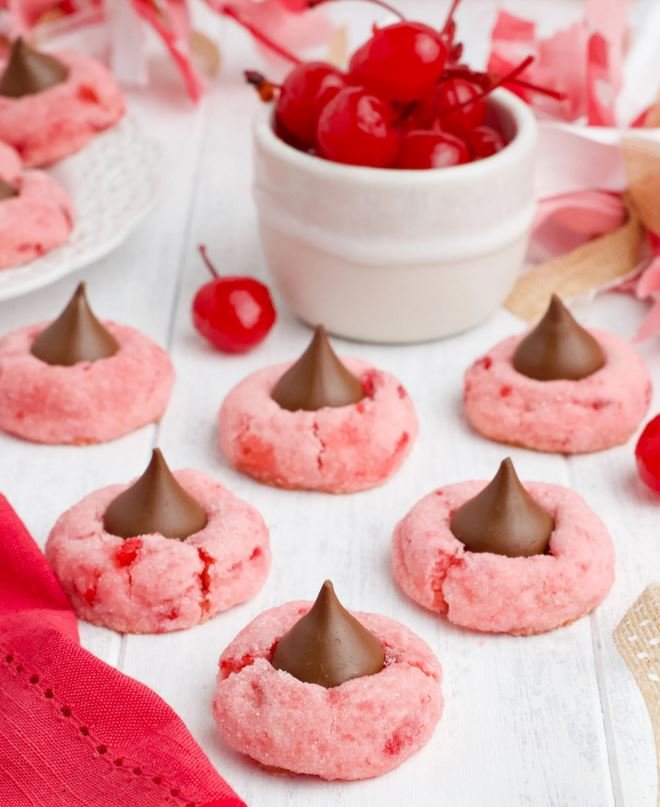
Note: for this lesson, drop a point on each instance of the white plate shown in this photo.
(113, 182)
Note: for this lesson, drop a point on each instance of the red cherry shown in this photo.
(647, 454)
(356, 128)
(127, 552)
(304, 93)
(457, 92)
(400, 62)
(432, 150)
(234, 313)
(484, 141)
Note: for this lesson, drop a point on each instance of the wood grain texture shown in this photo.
(547, 721)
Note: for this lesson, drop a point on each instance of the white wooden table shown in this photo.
(548, 721)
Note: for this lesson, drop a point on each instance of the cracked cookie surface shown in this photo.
(152, 584)
(335, 449)
(567, 417)
(498, 594)
(362, 728)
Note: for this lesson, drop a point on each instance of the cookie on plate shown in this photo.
(558, 388)
(77, 380)
(36, 215)
(323, 423)
(166, 552)
(501, 557)
(53, 105)
(313, 689)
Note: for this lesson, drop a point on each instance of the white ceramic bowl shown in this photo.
(397, 256)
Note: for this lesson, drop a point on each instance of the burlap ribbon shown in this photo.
(637, 637)
(604, 261)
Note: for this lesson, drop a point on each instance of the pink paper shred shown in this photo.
(281, 20)
(563, 223)
(582, 61)
(647, 287)
(608, 21)
(172, 24)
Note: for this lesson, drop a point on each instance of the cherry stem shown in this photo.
(497, 83)
(381, 3)
(482, 79)
(230, 11)
(262, 85)
(450, 17)
(556, 94)
(207, 261)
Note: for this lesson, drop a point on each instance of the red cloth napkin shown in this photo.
(75, 732)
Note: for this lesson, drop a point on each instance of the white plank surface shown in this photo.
(529, 722)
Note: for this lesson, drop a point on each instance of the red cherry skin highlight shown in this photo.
(450, 94)
(356, 128)
(235, 314)
(400, 62)
(484, 141)
(306, 90)
(421, 149)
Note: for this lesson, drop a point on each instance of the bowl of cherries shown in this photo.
(395, 198)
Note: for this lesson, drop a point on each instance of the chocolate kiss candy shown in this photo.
(503, 519)
(7, 191)
(328, 645)
(75, 336)
(558, 348)
(317, 379)
(156, 503)
(29, 72)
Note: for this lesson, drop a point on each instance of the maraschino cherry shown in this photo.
(401, 62)
(234, 313)
(306, 90)
(422, 149)
(357, 128)
(465, 98)
(647, 454)
(484, 141)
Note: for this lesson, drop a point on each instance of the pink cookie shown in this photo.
(36, 221)
(362, 728)
(89, 402)
(568, 417)
(337, 450)
(50, 125)
(153, 584)
(495, 593)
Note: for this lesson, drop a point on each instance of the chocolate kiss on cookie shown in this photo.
(328, 646)
(503, 519)
(558, 348)
(29, 72)
(317, 379)
(156, 503)
(7, 191)
(75, 336)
